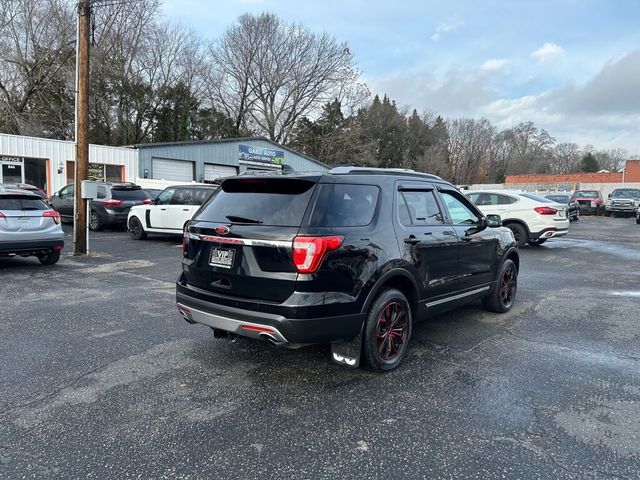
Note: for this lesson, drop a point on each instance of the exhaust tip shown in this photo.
(269, 338)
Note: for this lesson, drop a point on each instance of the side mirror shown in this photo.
(609, 196)
(493, 221)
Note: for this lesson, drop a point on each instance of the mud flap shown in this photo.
(347, 353)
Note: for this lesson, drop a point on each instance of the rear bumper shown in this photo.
(288, 326)
(30, 247)
(549, 233)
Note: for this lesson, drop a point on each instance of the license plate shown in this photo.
(222, 257)
(24, 219)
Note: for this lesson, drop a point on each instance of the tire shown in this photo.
(577, 217)
(637, 220)
(50, 258)
(136, 230)
(607, 214)
(94, 221)
(519, 233)
(383, 350)
(498, 300)
(537, 242)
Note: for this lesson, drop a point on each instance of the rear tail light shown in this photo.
(51, 214)
(185, 240)
(546, 210)
(2, 215)
(112, 203)
(308, 252)
(147, 201)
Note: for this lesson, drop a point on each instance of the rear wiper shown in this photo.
(237, 218)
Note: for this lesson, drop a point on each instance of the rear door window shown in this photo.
(182, 196)
(344, 205)
(266, 201)
(418, 208)
(200, 195)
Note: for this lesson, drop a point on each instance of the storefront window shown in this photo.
(98, 171)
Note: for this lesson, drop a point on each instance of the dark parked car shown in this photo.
(589, 201)
(350, 257)
(573, 207)
(109, 209)
(28, 187)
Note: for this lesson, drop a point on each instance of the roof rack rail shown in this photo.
(380, 171)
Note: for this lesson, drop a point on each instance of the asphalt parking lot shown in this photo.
(101, 379)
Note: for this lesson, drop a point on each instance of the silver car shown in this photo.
(28, 226)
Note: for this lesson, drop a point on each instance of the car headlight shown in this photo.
(594, 204)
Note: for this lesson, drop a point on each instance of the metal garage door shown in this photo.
(211, 171)
(172, 169)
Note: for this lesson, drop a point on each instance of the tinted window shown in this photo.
(459, 212)
(67, 191)
(418, 208)
(626, 193)
(128, 194)
(182, 196)
(165, 197)
(269, 201)
(344, 205)
(531, 196)
(483, 199)
(586, 194)
(22, 203)
(200, 195)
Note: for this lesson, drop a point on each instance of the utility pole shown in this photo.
(82, 125)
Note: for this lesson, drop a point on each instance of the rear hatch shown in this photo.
(240, 242)
(123, 197)
(21, 217)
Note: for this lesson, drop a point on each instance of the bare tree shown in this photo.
(267, 74)
(566, 157)
(36, 51)
(470, 147)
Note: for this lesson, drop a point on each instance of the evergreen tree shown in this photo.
(589, 163)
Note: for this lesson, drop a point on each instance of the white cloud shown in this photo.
(443, 28)
(493, 65)
(548, 51)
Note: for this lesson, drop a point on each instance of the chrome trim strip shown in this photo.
(457, 297)
(252, 242)
(231, 324)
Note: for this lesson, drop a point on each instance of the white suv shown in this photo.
(170, 211)
(531, 218)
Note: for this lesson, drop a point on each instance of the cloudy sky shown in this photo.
(571, 66)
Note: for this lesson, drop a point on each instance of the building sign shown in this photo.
(259, 154)
(96, 172)
(4, 158)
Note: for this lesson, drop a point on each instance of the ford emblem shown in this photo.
(222, 230)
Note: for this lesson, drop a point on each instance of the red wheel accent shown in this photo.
(391, 331)
(508, 285)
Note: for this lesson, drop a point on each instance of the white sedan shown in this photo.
(170, 211)
(531, 218)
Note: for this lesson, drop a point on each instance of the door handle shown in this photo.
(411, 240)
(163, 209)
(466, 238)
(185, 209)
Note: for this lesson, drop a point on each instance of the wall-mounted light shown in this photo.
(146, 173)
(60, 167)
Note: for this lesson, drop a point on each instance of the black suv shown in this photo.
(350, 257)
(109, 209)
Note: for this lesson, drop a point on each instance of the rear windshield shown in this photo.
(22, 203)
(344, 205)
(559, 198)
(626, 193)
(267, 201)
(536, 198)
(128, 194)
